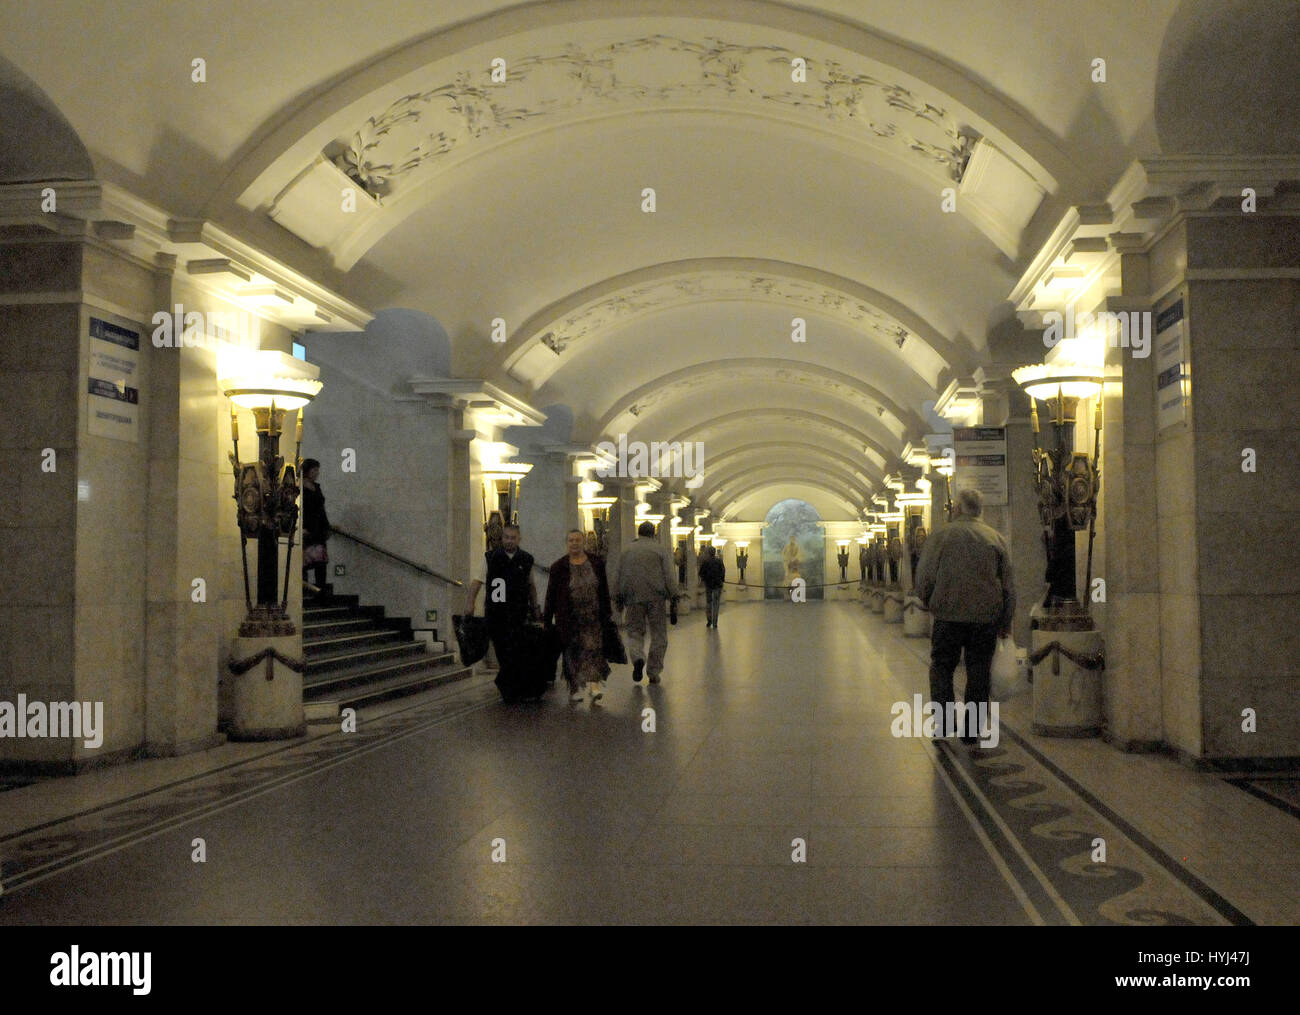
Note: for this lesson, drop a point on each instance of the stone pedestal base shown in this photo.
(916, 619)
(266, 674)
(877, 600)
(893, 607)
(1067, 691)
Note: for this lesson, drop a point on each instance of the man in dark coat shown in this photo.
(511, 601)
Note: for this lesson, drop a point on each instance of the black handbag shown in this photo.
(611, 644)
(471, 638)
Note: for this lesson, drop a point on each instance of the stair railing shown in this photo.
(334, 530)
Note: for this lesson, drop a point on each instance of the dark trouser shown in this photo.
(712, 601)
(947, 642)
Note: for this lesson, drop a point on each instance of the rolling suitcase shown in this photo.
(532, 669)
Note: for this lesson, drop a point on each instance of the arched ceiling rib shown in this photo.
(539, 347)
(775, 475)
(796, 425)
(433, 102)
(762, 494)
(661, 399)
(717, 480)
(718, 460)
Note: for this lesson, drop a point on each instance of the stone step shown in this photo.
(317, 614)
(314, 631)
(329, 685)
(325, 647)
(325, 709)
(355, 657)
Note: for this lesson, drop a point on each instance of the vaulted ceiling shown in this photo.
(805, 283)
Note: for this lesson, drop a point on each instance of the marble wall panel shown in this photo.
(110, 652)
(1180, 682)
(1133, 680)
(41, 268)
(1264, 315)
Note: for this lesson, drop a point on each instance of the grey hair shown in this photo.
(972, 503)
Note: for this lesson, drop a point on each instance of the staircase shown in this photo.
(357, 656)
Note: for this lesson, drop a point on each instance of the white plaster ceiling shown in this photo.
(522, 200)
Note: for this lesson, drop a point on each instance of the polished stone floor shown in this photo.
(770, 791)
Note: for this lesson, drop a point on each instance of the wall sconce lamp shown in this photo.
(266, 490)
(1067, 483)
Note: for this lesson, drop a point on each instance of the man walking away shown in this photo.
(964, 578)
(511, 600)
(646, 578)
(713, 573)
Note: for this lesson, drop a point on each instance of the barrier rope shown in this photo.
(824, 585)
(1085, 662)
(241, 666)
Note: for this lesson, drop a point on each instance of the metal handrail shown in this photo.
(334, 530)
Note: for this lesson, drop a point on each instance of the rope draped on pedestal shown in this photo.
(1084, 662)
(241, 666)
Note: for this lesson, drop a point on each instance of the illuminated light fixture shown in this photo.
(892, 516)
(266, 379)
(587, 489)
(596, 502)
(742, 544)
(942, 464)
(654, 519)
(908, 497)
(1048, 381)
(719, 542)
(877, 529)
(923, 485)
(864, 539)
(508, 470)
(643, 508)
(842, 543)
(683, 530)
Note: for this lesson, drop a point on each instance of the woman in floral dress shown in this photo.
(577, 604)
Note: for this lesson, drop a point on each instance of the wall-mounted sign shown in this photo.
(113, 387)
(1172, 381)
(981, 462)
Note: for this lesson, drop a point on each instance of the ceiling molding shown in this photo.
(635, 409)
(433, 101)
(801, 422)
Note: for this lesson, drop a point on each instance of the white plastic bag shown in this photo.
(1005, 677)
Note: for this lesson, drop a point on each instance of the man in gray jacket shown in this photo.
(646, 578)
(964, 578)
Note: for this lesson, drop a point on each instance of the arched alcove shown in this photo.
(36, 141)
(794, 544)
(1228, 80)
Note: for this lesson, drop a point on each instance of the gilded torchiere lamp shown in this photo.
(1067, 481)
(742, 557)
(266, 495)
(1067, 693)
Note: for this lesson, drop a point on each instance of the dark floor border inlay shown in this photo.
(1253, 787)
(1207, 894)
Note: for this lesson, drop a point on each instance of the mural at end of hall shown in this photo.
(794, 546)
